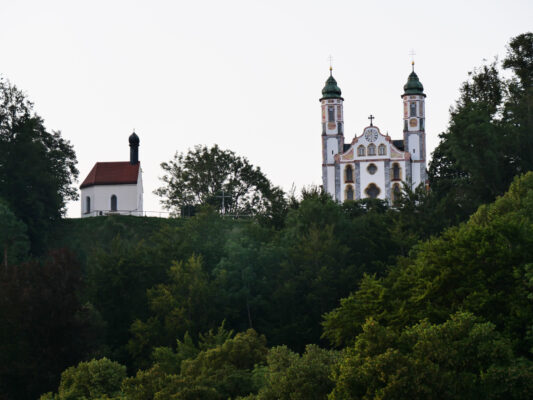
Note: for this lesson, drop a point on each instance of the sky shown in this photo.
(246, 75)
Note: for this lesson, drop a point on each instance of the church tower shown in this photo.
(332, 133)
(414, 135)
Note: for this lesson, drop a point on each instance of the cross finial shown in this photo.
(412, 54)
(371, 118)
(330, 64)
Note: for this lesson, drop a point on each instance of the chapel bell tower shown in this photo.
(414, 127)
(332, 131)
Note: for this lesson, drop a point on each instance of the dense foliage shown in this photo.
(489, 138)
(37, 167)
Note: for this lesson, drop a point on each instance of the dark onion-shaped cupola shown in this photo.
(413, 85)
(134, 148)
(331, 90)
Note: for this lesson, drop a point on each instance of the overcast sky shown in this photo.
(246, 75)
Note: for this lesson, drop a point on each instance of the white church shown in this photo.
(114, 187)
(372, 165)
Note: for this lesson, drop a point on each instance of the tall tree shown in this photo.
(219, 178)
(489, 138)
(37, 167)
(518, 110)
(471, 163)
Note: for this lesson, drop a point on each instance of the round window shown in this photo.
(372, 169)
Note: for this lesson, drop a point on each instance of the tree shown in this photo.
(461, 358)
(13, 239)
(489, 139)
(289, 376)
(472, 163)
(518, 107)
(219, 178)
(95, 379)
(182, 305)
(118, 279)
(37, 168)
(220, 370)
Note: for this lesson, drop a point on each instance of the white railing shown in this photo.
(136, 213)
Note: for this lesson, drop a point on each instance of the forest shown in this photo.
(278, 295)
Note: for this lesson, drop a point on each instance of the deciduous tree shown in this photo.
(37, 167)
(219, 178)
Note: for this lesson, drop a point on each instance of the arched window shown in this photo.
(372, 191)
(372, 169)
(349, 195)
(87, 205)
(361, 151)
(348, 174)
(371, 149)
(396, 193)
(396, 171)
(113, 203)
(382, 150)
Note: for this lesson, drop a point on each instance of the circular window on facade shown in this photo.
(372, 169)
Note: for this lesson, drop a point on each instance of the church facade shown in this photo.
(373, 165)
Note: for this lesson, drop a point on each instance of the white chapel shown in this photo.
(372, 165)
(114, 187)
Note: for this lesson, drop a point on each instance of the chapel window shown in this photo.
(348, 174)
(87, 205)
(331, 114)
(113, 203)
(382, 150)
(372, 169)
(371, 149)
(361, 151)
(396, 171)
(372, 191)
(412, 109)
(349, 193)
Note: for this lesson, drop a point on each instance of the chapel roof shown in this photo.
(112, 173)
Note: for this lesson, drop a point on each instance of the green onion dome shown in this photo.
(331, 90)
(413, 85)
